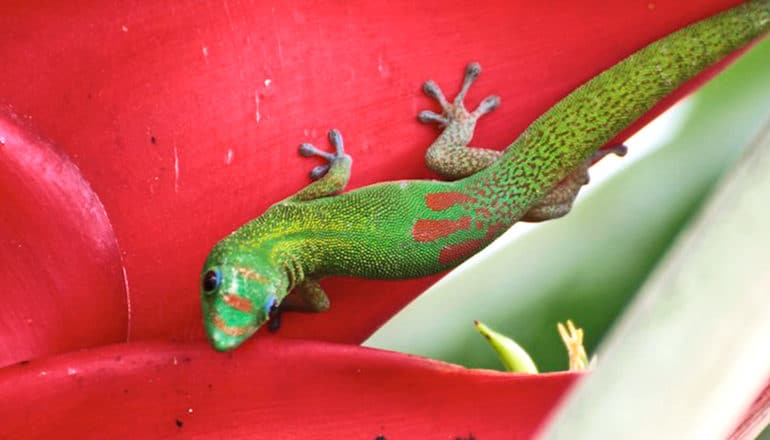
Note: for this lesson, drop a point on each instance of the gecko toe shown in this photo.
(274, 324)
(308, 150)
(319, 171)
(335, 138)
(434, 91)
(620, 150)
(431, 89)
(472, 71)
(429, 117)
(487, 105)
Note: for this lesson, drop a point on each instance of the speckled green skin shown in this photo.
(389, 230)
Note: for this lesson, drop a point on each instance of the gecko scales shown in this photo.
(414, 228)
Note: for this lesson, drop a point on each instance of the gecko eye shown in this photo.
(211, 280)
(270, 305)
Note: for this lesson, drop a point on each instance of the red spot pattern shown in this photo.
(484, 212)
(426, 230)
(459, 251)
(454, 253)
(493, 230)
(443, 200)
(238, 303)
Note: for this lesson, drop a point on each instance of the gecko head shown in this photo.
(238, 294)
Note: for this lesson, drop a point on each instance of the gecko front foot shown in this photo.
(455, 112)
(309, 150)
(329, 178)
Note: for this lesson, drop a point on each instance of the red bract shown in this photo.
(183, 118)
(61, 263)
(277, 389)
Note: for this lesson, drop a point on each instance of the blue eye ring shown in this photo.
(271, 304)
(211, 280)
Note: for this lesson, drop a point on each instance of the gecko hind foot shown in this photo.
(456, 111)
(558, 202)
(309, 150)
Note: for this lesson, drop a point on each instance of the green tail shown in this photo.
(567, 134)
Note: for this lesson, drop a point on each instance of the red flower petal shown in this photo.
(277, 389)
(61, 276)
(184, 118)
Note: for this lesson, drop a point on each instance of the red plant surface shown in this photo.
(134, 135)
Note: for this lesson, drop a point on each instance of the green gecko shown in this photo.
(414, 228)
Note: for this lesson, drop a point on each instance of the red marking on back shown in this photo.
(493, 230)
(426, 230)
(459, 251)
(238, 302)
(443, 200)
(484, 212)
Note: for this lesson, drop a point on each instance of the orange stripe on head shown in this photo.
(444, 200)
(238, 302)
(426, 230)
(251, 275)
(230, 331)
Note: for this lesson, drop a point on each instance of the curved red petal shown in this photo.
(185, 116)
(62, 284)
(287, 389)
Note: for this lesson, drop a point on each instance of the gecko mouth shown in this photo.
(226, 337)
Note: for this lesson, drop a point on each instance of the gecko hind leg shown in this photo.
(558, 202)
(329, 178)
(449, 155)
